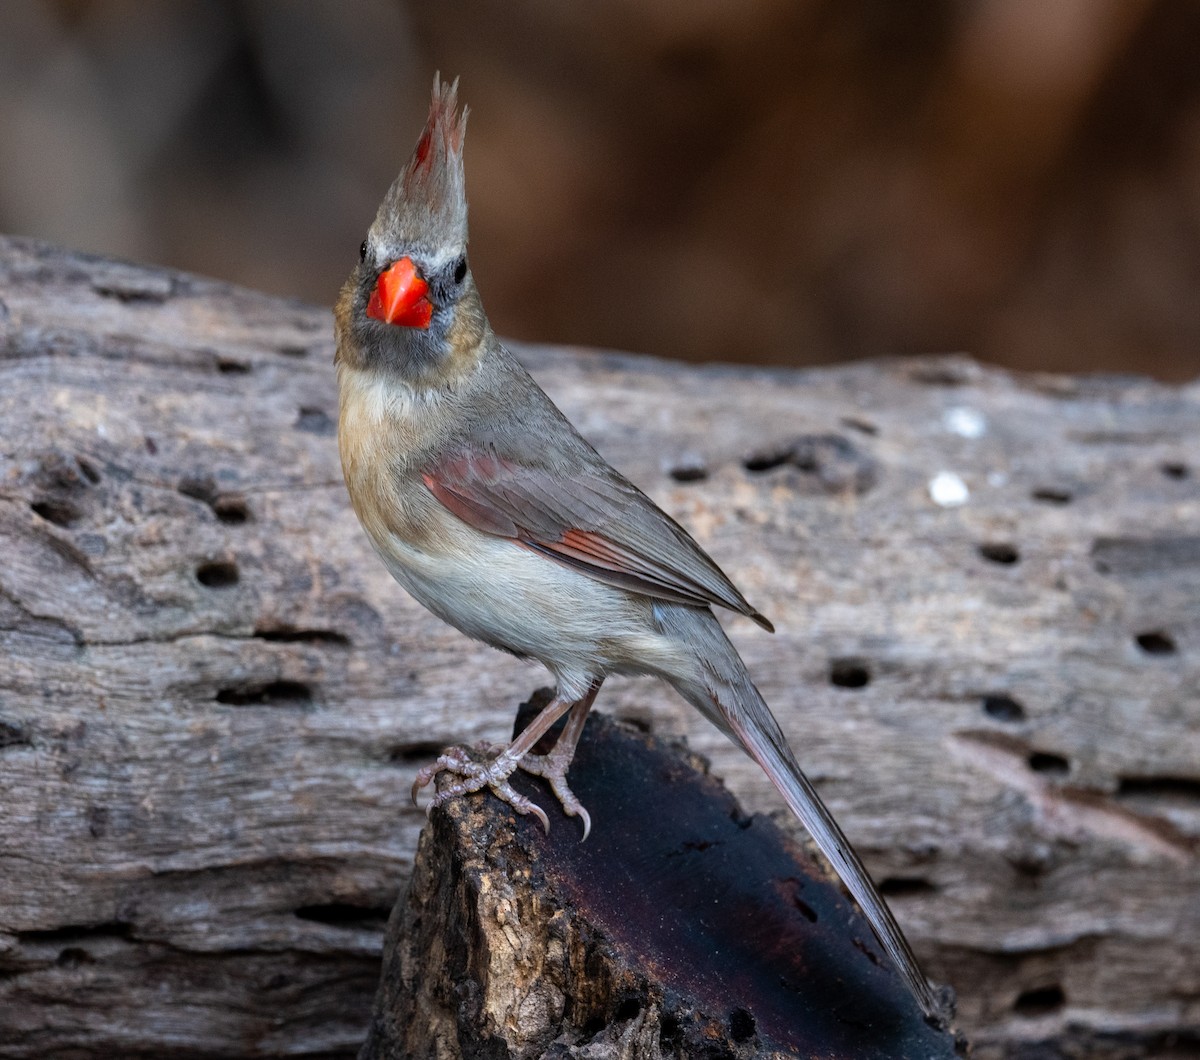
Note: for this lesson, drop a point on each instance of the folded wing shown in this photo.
(596, 522)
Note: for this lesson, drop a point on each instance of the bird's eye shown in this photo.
(460, 270)
(362, 251)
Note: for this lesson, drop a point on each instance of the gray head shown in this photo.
(410, 305)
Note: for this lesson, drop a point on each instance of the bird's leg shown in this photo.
(554, 765)
(493, 772)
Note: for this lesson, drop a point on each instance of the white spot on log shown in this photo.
(948, 490)
(965, 422)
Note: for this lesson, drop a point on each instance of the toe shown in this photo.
(520, 803)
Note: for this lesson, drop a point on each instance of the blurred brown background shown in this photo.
(775, 181)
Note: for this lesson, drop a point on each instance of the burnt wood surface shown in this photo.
(213, 699)
(681, 927)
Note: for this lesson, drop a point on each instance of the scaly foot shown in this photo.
(491, 772)
(488, 769)
(553, 767)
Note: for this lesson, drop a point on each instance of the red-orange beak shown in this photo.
(400, 297)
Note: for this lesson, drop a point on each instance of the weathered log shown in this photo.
(213, 699)
(681, 928)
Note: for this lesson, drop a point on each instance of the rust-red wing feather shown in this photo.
(601, 525)
(470, 511)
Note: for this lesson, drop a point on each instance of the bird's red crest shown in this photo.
(422, 151)
(441, 140)
(427, 205)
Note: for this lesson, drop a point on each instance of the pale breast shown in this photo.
(498, 591)
(491, 588)
(383, 433)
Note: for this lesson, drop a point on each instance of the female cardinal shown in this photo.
(488, 506)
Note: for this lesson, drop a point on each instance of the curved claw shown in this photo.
(454, 759)
(521, 804)
(553, 767)
(422, 779)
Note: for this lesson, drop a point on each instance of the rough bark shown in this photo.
(707, 934)
(213, 699)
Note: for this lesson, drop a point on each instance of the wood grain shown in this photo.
(213, 699)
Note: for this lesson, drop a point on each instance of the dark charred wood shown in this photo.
(682, 927)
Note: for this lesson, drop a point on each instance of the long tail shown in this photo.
(727, 697)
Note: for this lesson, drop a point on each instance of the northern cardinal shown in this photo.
(489, 507)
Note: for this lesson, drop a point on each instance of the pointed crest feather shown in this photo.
(426, 207)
